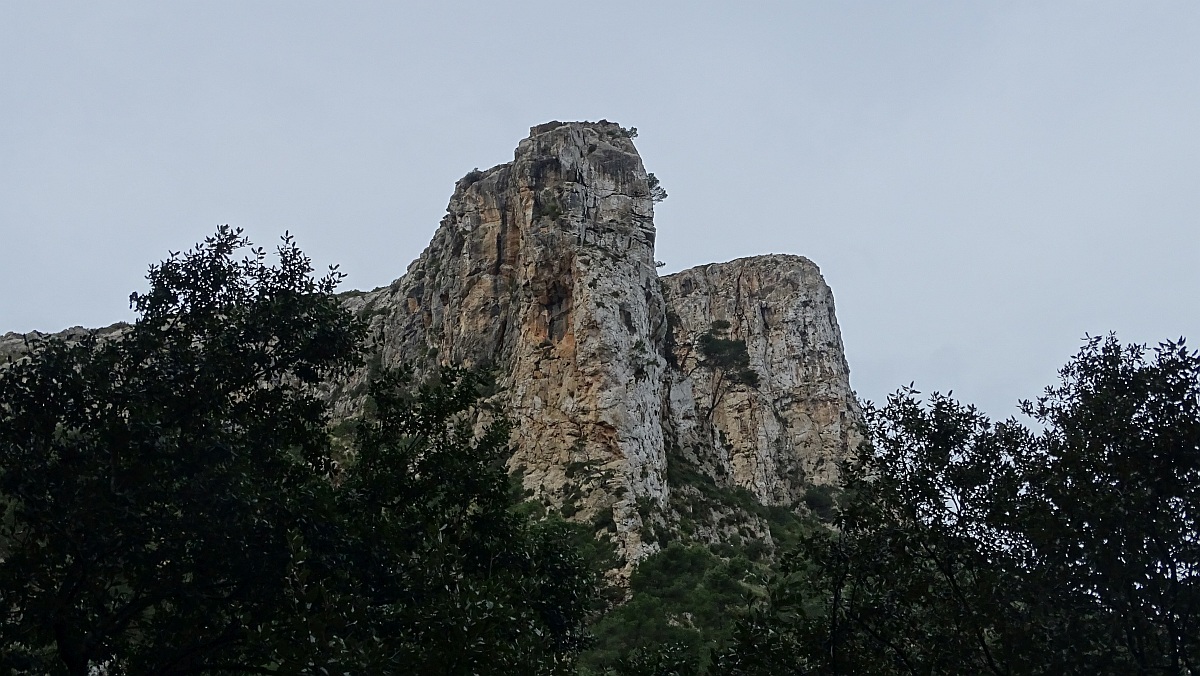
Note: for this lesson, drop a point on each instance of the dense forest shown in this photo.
(173, 503)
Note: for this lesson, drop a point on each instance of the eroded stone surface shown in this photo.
(545, 268)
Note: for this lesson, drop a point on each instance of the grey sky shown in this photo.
(981, 183)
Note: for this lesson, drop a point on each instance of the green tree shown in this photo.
(679, 611)
(657, 192)
(446, 571)
(967, 546)
(153, 482)
(171, 503)
(727, 359)
(1113, 509)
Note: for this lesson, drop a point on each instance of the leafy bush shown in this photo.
(470, 178)
(729, 357)
(819, 499)
(682, 605)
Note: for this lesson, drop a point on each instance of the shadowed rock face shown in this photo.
(14, 345)
(544, 268)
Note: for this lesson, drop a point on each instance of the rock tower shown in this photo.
(544, 268)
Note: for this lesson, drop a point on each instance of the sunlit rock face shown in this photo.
(544, 268)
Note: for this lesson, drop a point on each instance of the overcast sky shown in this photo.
(981, 183)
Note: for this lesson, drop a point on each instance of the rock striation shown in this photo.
(544, 268)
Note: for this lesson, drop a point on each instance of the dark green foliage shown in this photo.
(967, 546)
(465, 582)
(1118, 471)
(727, 358)
(670, 659)
(718, 352)
(470, 178)
(152, 482)
(657, 192)
(695, 496)
(680, 611)
(686, 599)
(171, 505)
(820, 500)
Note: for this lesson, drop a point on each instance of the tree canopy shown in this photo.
(172, 502)
(968, 546)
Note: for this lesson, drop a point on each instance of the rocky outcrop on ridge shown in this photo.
(13, 345)
(544, 267)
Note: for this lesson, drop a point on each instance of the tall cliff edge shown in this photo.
(544, 268)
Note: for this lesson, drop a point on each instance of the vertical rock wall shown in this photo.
(544, 268)
(788, 431)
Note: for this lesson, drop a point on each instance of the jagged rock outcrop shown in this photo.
(13, 345)
(544, 268)
(790, 429)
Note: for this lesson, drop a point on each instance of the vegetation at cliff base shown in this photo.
(174, 500)
(682, 599)
(172, 503)
(962, 545)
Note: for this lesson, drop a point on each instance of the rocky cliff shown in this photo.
(544, 267)
(648, 406)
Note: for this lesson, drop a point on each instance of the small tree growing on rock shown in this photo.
(657, 192)
(727, 359)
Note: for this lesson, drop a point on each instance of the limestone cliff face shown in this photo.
(790, 429)
(544, 267)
